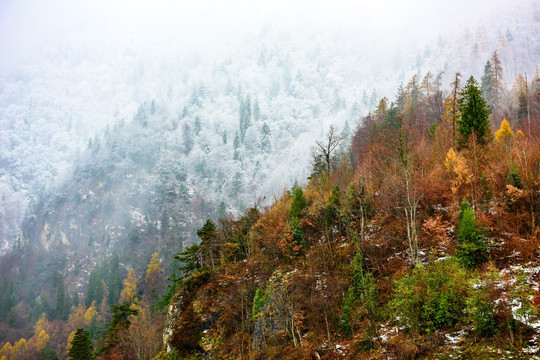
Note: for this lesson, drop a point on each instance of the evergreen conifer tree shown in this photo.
(48, 353)
(191, 261)
(298, 202)
(62, 301)
(197, 126)
(120, 321)
(113, 280)
(81, 346)
(474, 119)
(208, 234)
(7, 299)
(265, 137)
(486, 83)
(244, 117)
(256, 110)
(472, 248)
(75, 298)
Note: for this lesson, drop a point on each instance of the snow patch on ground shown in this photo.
(455, 337)
(340, 349)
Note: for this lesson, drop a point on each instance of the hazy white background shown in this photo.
(29, 25)
(68, 68)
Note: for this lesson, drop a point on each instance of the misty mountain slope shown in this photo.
(162, 101)
(300, 90)
(514, 36)
(161, 174)
(116, 146)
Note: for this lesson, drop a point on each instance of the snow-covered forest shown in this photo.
(238, 109)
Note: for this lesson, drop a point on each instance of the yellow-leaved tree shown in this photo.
(505, 134)
(153, 267)
(461, 174)
(76, 317)
(41, 340)
(70, 339)
(17, 352)
(5, 351)
(152, 280)
(90, 313)
(40, 325)
(130, 287)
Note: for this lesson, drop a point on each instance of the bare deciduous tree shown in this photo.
(325, 150)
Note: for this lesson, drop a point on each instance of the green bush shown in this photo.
(472, 248)
(298, 202)
(258, 302)
(361, 299)
(514, 178)
(331, 213)
(482, 311)
(431, 298)
(481, 305)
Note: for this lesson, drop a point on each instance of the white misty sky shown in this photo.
(29, 25)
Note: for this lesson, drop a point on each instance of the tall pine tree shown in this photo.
(62, 301)
(209, 244)
(474, 119)
(113, 279)
(486, 85)
(81, 346)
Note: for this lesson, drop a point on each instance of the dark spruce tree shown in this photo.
(75, 298)
(95, 286)
(112, 279)
(8, 300)
(48, 353)
(120, 321)
(62, 301)
(474, 118)
(81, 346)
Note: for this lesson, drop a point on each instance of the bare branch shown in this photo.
(325, 148)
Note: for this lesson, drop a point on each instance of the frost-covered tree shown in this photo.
(244, 117)
(491, 81)
(265, 137)
(256, 110)
(197, 126)
(187, 138)
(141, 117)
(237, 184)
(485, 82)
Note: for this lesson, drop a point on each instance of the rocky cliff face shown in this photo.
(173, 314)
